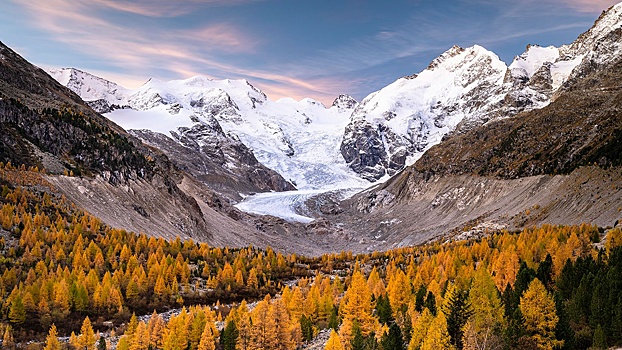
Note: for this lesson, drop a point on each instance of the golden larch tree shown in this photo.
(333, 343)
(482, 330)
(437, 336)
(284, 328)
(242, 320)
(87, 338)
(421, 324)
(52, 342)
(540, 317)
(155, 328)
(506, 267)
(140, 339)
(357, 305)
(263, 330)
(375, 283)
(399, 291)
(208, 338)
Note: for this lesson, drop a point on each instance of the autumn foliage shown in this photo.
(64, 271)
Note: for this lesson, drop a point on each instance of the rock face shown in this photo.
(345, 102)
(198, 145)
(222, 163)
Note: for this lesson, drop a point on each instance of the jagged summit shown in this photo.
(394, 126)
(528, 63)
(452, 52)
(101, 94)
(609, 21)
(345, 102)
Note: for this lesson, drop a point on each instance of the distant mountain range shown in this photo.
(308, 144)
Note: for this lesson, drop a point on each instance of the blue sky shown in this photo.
(291, 48)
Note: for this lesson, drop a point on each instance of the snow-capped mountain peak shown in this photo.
(394, 126)
(528, 63)
(298, 139)
(102, 95)
(608, 21)
(345, 102)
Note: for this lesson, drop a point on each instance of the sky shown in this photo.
(286, 48)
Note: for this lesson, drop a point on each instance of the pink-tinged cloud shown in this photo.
(225, 36)
(162, 8)
(179, 51)
(589, 6)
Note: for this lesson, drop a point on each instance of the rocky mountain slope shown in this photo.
(114, 176)
(460, 90)
(558, 164)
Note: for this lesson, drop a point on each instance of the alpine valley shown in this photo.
(474, 205)
(467, 142)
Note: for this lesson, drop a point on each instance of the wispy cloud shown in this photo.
(180, 52)
(589, 6)
(162, 8)
(141, 39)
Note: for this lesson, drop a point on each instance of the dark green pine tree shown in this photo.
(393, 339)
(407, 329)
(306, 326)
(101, 344)
(616, 323)
(515, 330)
(357, 342)
(545, 272)
(523, 278)
(371, 343)
(566, 281)
(383, 307)
(600, 309)
(457, 314)
(563, 331)
(600, 340)
(333, 320)
(430, 303)
(420, 298)
(229, 336)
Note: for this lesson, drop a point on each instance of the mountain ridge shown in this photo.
(482, 142)
(281, 134)
(558, 164)
(45, 123)
(390, 129)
